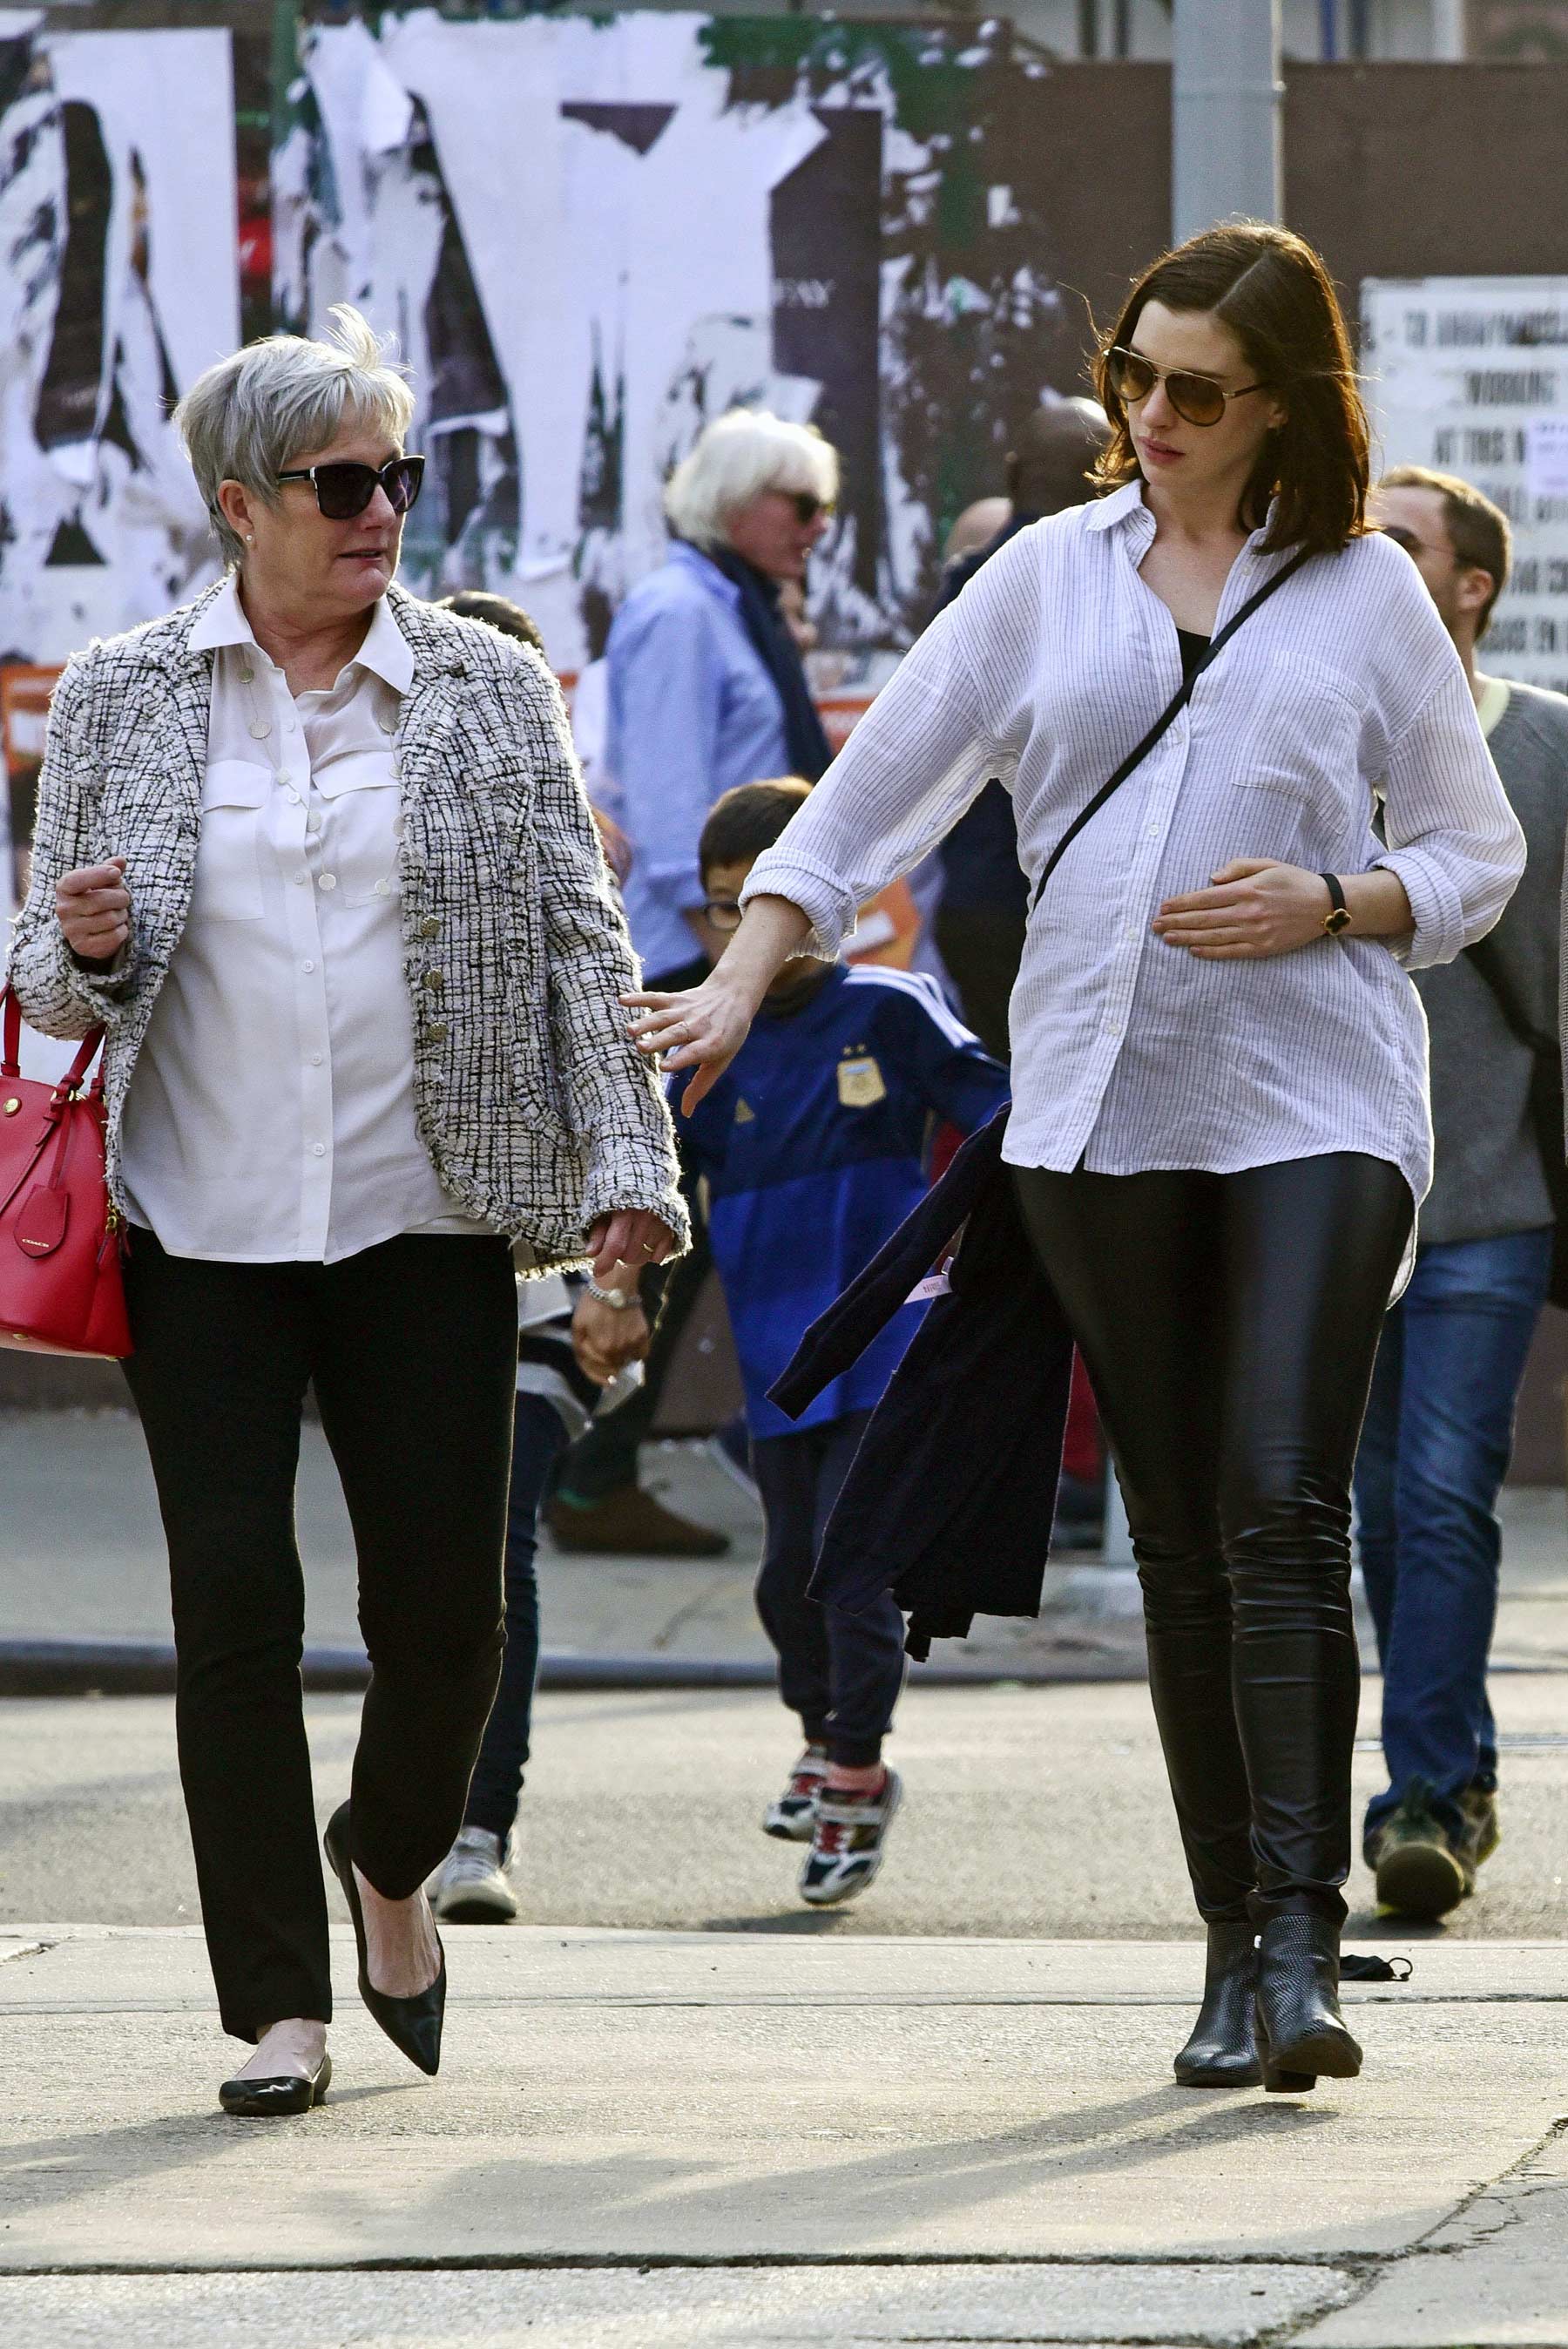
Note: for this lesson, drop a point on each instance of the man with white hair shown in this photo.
(707, 690)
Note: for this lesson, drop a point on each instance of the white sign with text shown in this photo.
(1471, 374)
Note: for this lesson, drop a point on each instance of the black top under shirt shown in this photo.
(1193, 648)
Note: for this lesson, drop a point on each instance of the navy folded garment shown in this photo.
(950, 1500)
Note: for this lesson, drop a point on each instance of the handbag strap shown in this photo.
(1167, 716)
(11, 1045)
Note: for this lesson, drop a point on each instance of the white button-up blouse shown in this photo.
(272, 1115)
(1341, 695)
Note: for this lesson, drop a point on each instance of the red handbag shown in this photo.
(61, 1287)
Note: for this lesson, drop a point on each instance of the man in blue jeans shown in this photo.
(1440, 1421)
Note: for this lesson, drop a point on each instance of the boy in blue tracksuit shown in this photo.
(814, 1145)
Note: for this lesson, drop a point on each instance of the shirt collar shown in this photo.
(1496, 693)
(385, 651)
(1109, 511)
(224, 622)
(1126, 504)
(704, 568)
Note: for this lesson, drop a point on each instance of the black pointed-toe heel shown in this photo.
(1300, 2030)
(412, 2024)
(1222, 2052)
(272, 2098)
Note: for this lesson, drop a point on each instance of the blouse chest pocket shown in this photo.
(227, 879)
(1302, 736)
(362, 827)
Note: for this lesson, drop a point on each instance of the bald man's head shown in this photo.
(1051, 459)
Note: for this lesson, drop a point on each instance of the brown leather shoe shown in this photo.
(629, 1523)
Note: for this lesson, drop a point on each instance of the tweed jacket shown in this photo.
(537, 1112)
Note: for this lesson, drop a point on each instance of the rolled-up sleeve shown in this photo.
(919, 756)
(1453, 839)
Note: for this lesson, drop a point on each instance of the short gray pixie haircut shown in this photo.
(735, 460)
(247, 418)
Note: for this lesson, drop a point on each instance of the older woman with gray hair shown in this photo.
(317, 855)
(706, 689)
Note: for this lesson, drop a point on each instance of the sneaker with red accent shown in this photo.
(848, 1839)
(792, 1817)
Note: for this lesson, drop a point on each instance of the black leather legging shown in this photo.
(1230, 1323)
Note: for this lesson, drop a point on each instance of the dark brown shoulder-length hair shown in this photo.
(1272, 292)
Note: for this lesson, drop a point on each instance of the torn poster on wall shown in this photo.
(591, 236)
(1471, 374)
(120, 285)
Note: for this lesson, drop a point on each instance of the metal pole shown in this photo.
(1449, 30)
(1225, 121)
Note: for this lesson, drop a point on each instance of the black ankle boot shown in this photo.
(1300, 2030)
(1222, 2053)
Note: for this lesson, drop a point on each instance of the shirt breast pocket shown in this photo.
(1304, 736)
(363, 827)
(228, 883)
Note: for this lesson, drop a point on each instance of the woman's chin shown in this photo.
(360, 581)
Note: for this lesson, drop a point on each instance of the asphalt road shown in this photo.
(1038, 1811)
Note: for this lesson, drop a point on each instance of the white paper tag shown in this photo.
(935, 1284)
(1547, 456)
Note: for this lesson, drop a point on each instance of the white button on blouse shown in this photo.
(285, 1017)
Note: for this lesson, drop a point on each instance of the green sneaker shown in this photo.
(1483, 1831)
(1420, 1870)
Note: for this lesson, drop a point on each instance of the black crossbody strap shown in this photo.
(1166, 718)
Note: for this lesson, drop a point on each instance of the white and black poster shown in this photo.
(1471, 374)
(593, 236)
(118, 219)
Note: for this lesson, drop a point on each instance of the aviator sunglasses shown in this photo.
(1197, 398)
(342, 490)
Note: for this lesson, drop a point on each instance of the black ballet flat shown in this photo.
(1300, 2030)
(1222, 2052)
(272, 2098)
(412, 2024)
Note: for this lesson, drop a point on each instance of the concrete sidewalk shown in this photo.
(726, 2138)
(84, 1563)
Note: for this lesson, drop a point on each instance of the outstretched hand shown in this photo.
(701, 1029)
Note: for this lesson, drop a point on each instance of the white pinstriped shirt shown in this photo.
(1343, 689)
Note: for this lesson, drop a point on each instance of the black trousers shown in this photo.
(840, 1672)
(1230, 1324)
(412, 1346)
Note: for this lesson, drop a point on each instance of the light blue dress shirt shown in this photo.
(693, 711)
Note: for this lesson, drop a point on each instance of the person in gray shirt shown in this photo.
(1440, 1421)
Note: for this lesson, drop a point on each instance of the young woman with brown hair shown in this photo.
(1220, 1129)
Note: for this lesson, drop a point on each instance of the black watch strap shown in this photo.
(1338, 914)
